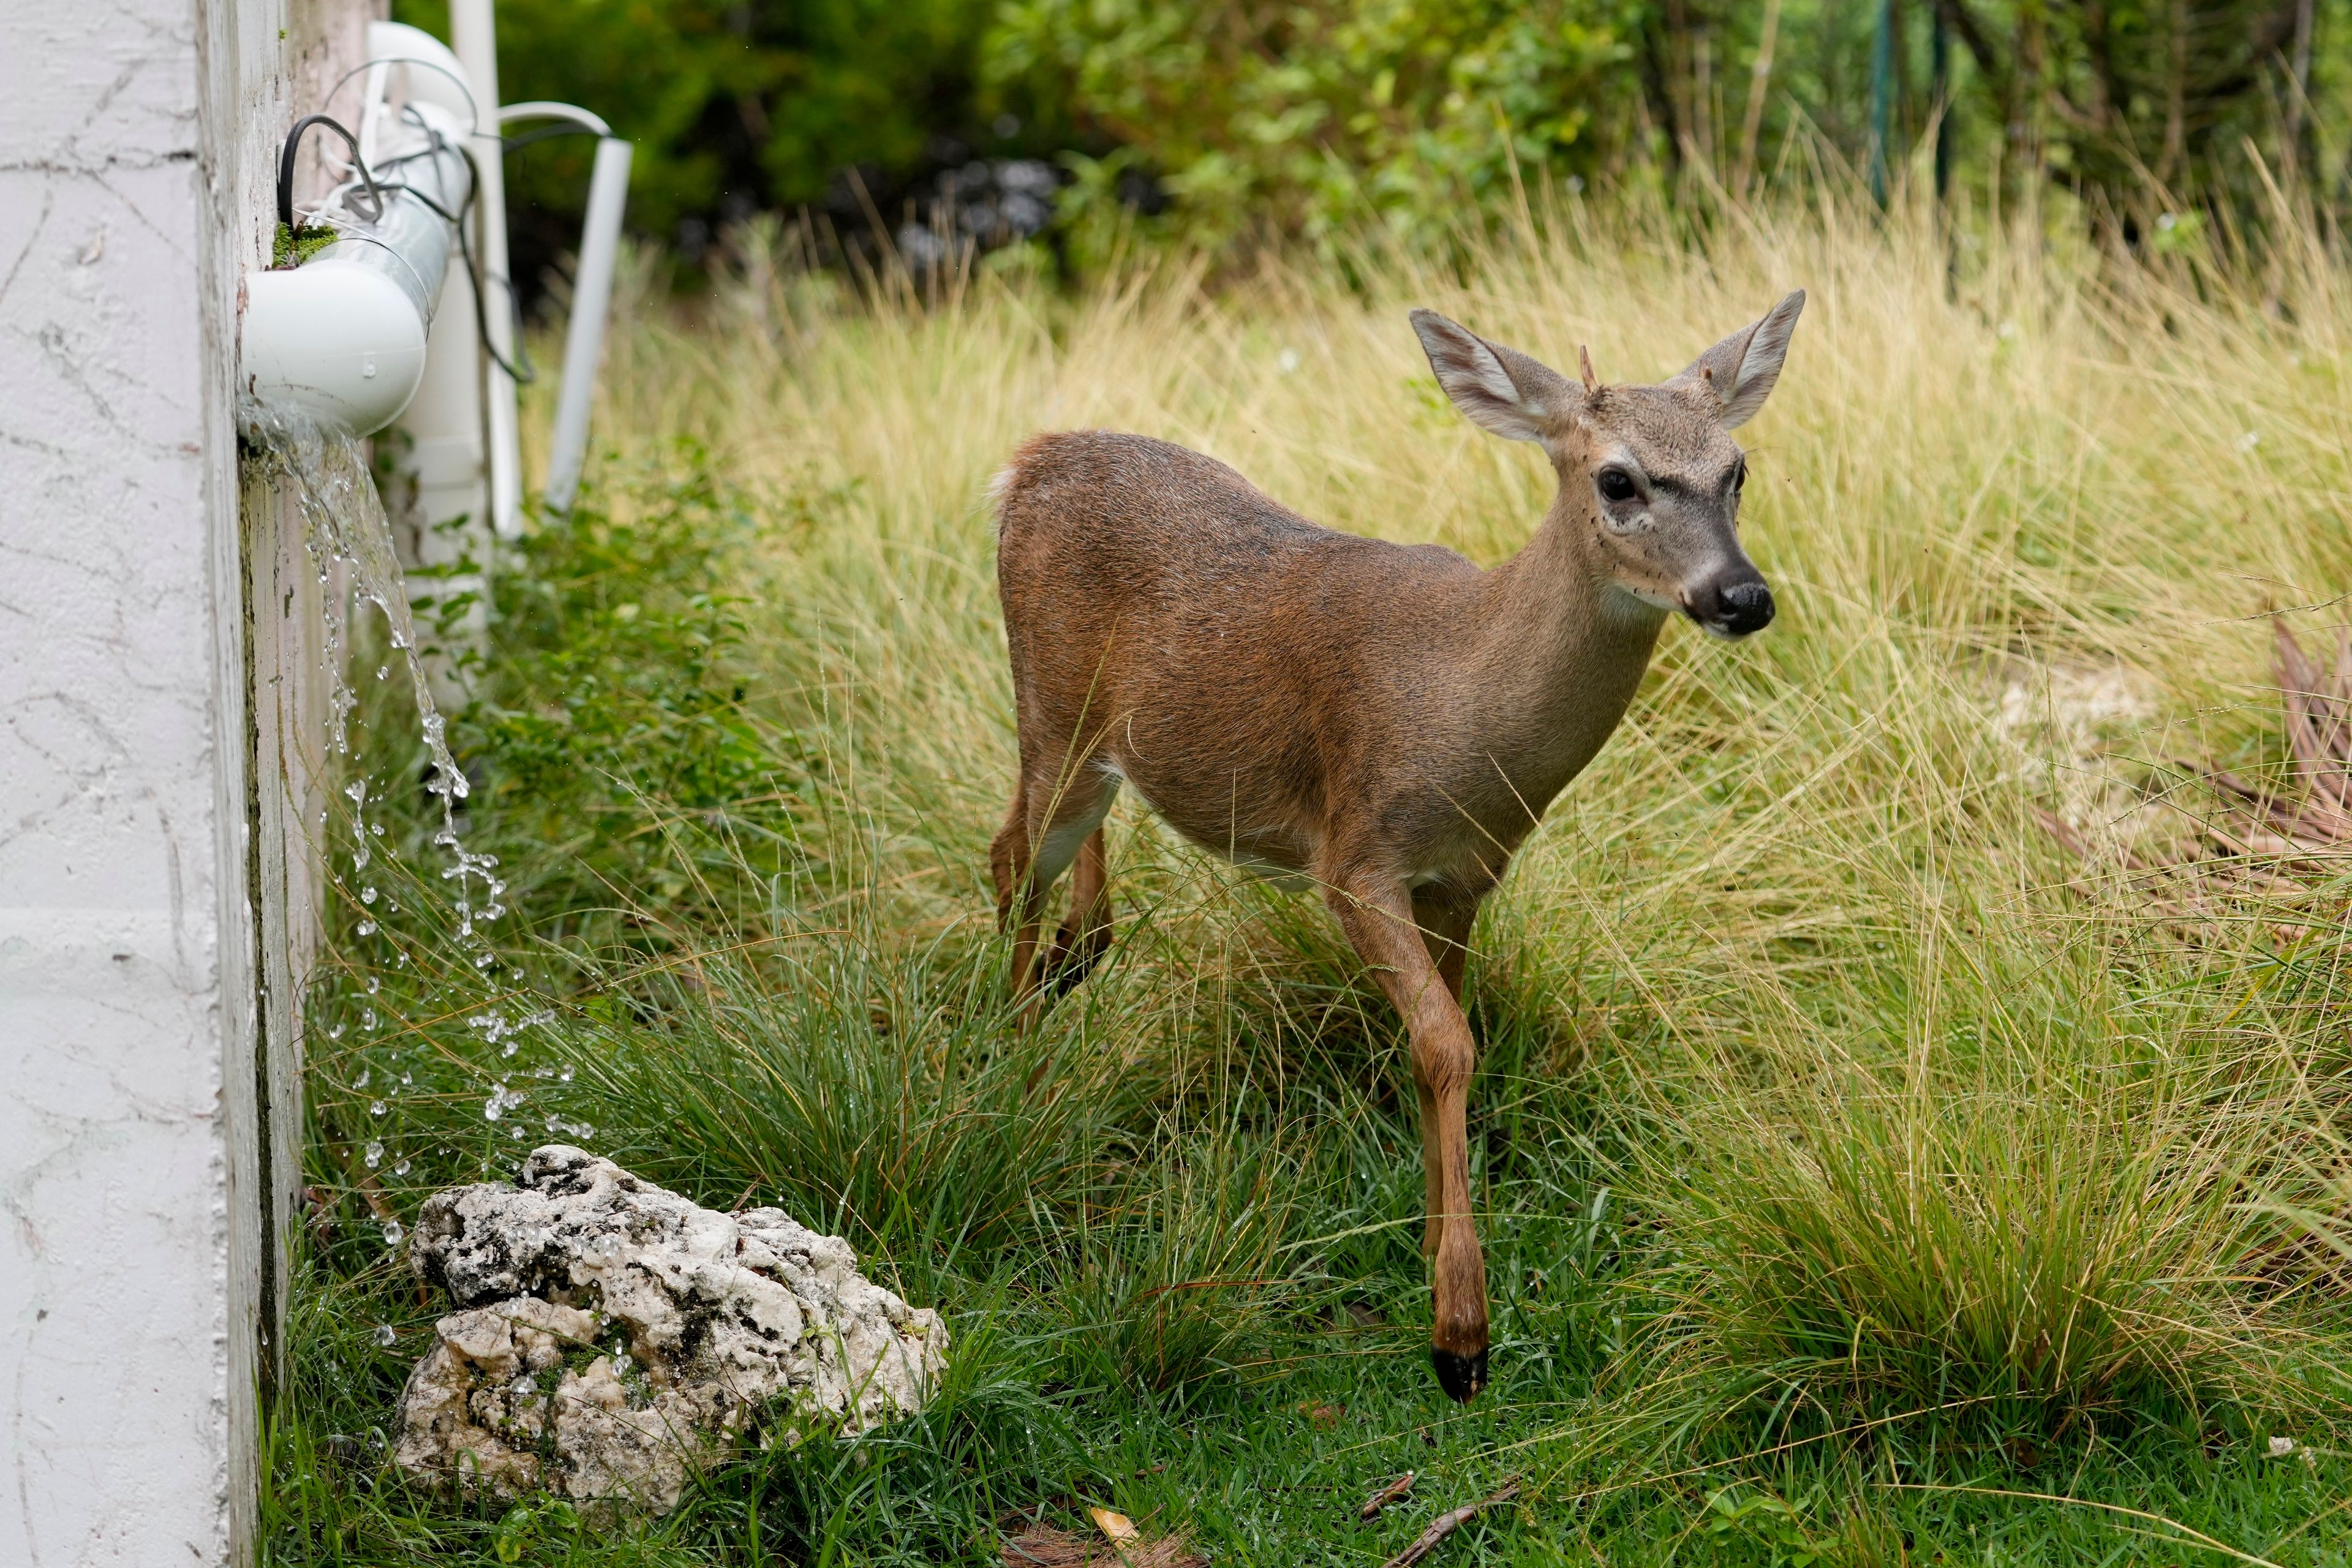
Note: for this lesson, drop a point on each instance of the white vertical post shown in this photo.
(473, 34)
(444, 475)
(584, 339)
(441, 473)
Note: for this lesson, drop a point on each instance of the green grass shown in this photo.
(1862, 1180)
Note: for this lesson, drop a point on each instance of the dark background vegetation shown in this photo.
(1230, 122)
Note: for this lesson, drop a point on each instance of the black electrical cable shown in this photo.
(525, 373)
(286, 168)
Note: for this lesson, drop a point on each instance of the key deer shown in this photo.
(1384, 721)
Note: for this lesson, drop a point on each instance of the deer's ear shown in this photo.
(1501, 389)
(1743, 367)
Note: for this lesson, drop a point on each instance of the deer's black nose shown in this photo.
(1743, 609)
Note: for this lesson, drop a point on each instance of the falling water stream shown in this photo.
(346, 534)
(344, 525)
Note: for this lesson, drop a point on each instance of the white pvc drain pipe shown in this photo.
(592, 295)
(342, 337)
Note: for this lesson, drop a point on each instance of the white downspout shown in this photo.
(583, 337)
(473, 32)
(592, 294)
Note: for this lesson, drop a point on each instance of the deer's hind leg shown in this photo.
(1085, 935)
(1050, 821)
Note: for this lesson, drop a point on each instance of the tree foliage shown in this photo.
(735, 106)
(2147, 97)
(1311, 115)
(1305, 115)
(1301, 118)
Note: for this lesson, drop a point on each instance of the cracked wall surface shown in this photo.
(137, 1190)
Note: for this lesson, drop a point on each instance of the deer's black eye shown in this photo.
(1616, 484)
(1740, 476)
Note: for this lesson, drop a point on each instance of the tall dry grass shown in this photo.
(1923, 1109)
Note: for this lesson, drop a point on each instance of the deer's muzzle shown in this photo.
(1738, 608)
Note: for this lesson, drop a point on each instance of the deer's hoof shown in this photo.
(1462, 1376)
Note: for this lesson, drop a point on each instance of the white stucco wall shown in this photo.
(138, 1184)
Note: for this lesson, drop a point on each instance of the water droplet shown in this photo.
(378, 1108)
(367, 928)
(386, 1336)
(384, 672)
(374, 984)
(400, 1169)
(336, 1032)
(362, 1081)
(367, 1020)
(376, 828)
(510, 1047)
(374, 1155)
(407, 1078)
(367, 895)
(392, 1233)
(565, 1075)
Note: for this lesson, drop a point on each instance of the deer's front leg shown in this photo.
(1377, 914)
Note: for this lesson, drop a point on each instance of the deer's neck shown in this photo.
(1561, 652)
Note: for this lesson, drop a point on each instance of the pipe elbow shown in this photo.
(339, 341)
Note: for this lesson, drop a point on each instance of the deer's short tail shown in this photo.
(1005, 485)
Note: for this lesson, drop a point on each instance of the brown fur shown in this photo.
(1387, 722)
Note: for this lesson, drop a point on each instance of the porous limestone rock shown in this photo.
(612, 1335)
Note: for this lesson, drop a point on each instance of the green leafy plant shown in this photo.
(1777, 1525)
(615, 690)
(527, 1526)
